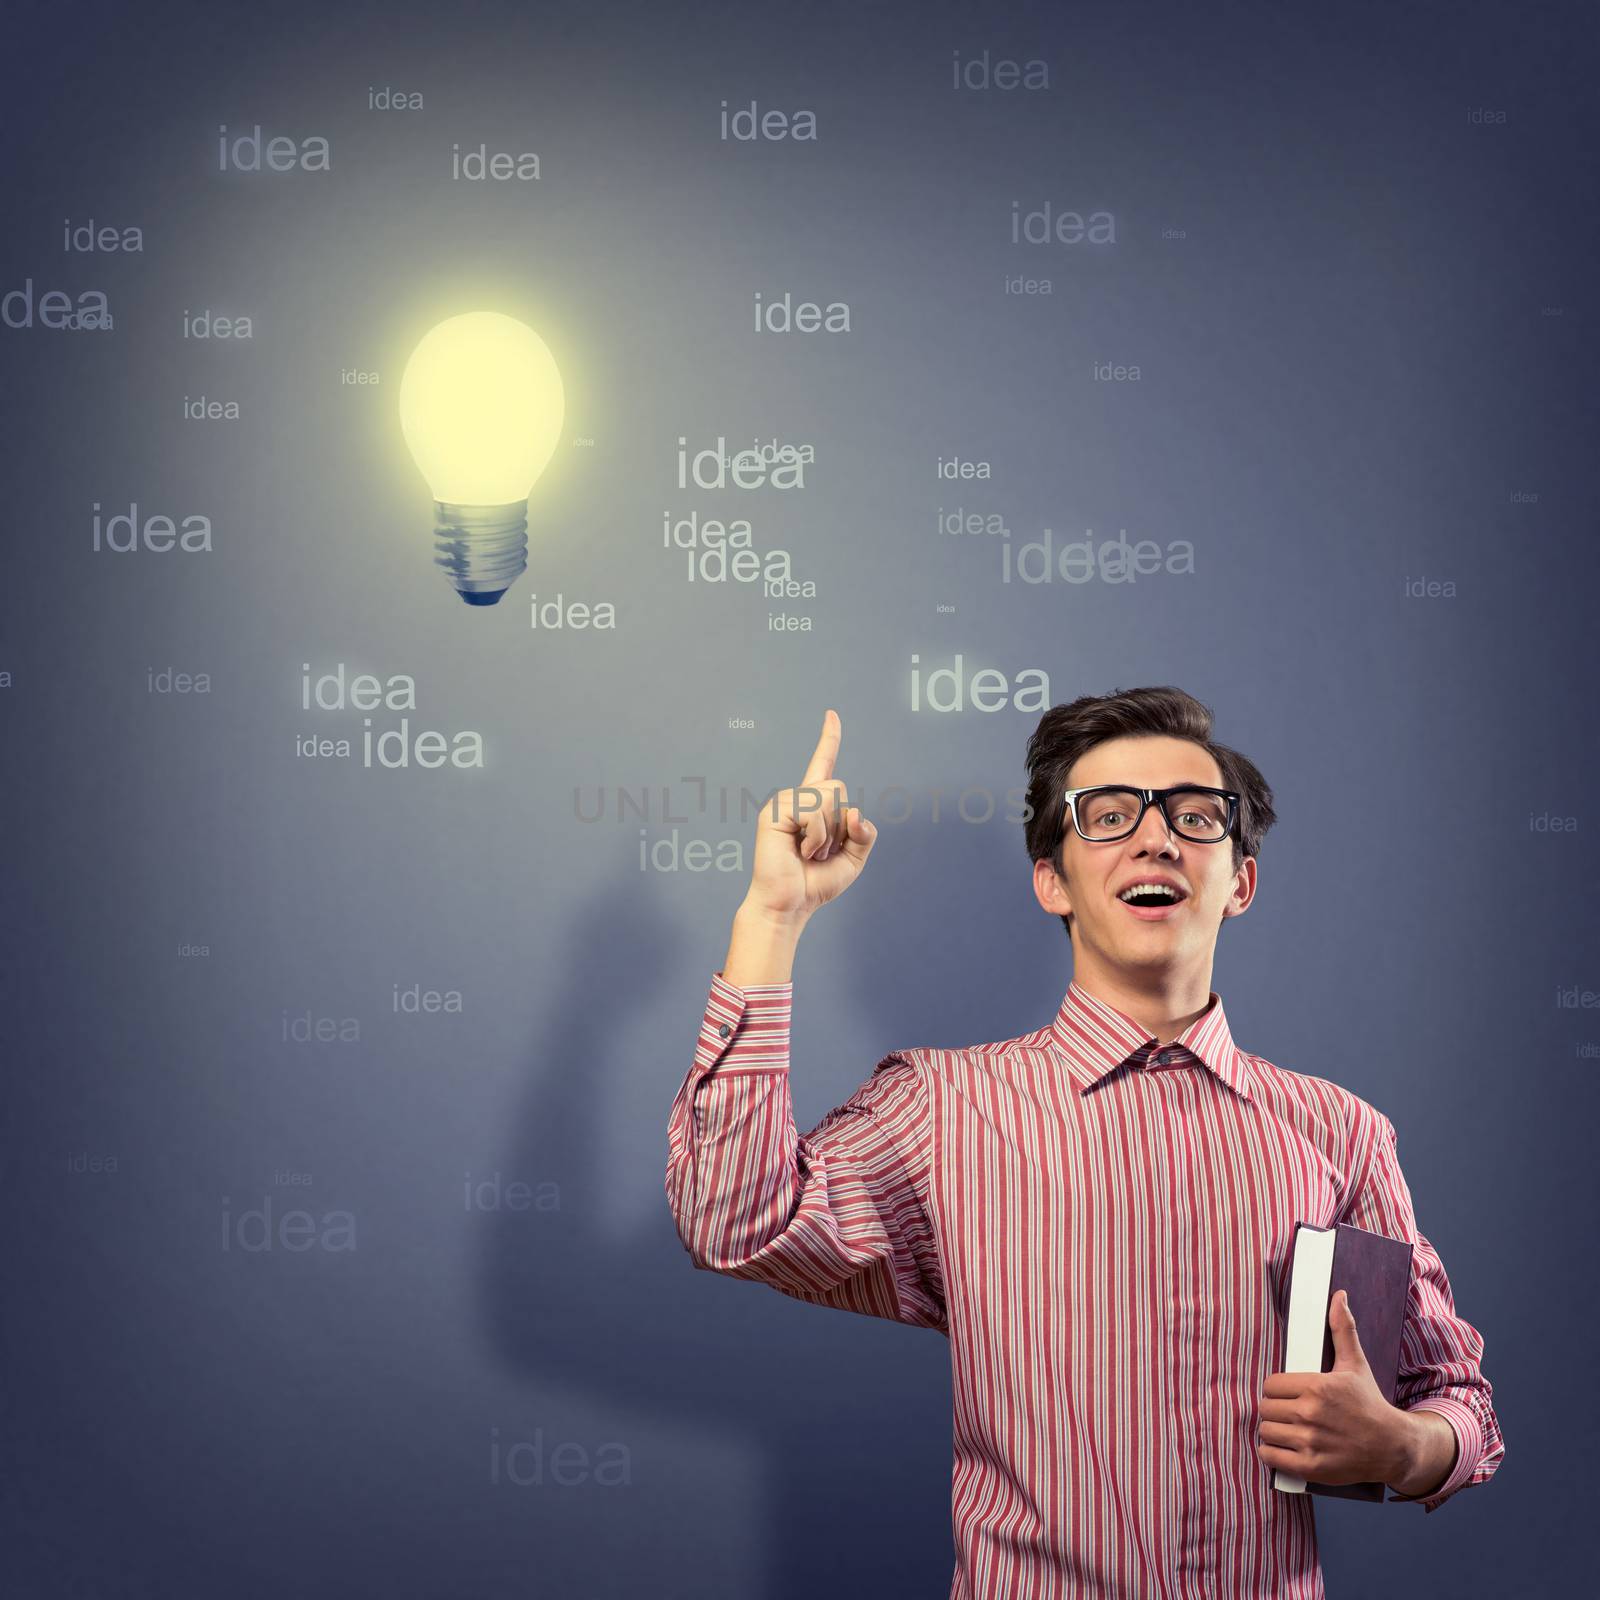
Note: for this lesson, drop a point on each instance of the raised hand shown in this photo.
(810, 844)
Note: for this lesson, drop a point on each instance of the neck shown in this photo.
(1162, 1000)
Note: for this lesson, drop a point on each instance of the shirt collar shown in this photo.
(1094, 1039)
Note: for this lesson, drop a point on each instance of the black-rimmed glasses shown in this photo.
(1109, 812)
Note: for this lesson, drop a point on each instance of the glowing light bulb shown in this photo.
(481, 407)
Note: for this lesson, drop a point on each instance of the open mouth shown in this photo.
(1151, 904)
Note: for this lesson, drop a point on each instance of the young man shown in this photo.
(1097, 1213)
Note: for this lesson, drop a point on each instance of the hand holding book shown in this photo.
(1333, 1428)
(1330, 1425)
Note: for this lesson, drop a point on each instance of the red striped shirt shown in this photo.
(1101, 1227)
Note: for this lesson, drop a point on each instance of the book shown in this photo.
(1375, 1272)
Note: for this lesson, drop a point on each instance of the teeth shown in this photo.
(1149, 888)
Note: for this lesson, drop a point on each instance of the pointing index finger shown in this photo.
(820, 766)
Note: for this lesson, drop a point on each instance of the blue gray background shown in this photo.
(1375, 334)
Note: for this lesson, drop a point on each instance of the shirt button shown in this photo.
(724, 1029)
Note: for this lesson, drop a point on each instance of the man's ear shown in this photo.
(1050, 888)
(1244, 889)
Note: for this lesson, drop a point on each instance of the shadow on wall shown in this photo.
(816, 1390)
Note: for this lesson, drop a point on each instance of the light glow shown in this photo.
(481, 408)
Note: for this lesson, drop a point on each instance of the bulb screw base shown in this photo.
(483, 549)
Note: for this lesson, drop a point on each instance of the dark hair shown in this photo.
(1066, 732)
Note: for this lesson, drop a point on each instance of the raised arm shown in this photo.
(840, 1216)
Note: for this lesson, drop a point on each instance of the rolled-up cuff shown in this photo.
(1469, 1448)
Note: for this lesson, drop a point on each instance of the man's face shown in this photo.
(1111, 931)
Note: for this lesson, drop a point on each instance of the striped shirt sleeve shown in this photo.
(839, 1216)
(1440, 1352)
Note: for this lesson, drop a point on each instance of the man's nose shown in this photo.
(1154, 833)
